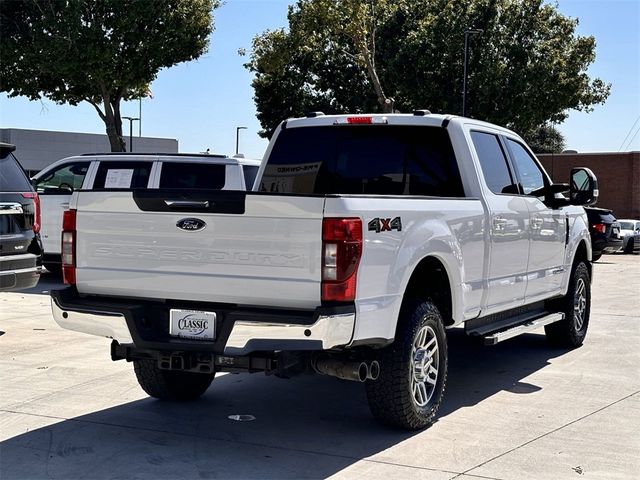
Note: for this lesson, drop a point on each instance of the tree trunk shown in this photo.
(113, 124)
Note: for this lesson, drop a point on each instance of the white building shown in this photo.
(38, 148)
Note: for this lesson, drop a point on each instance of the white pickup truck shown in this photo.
(364, 239)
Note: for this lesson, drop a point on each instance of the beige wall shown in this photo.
(37, 149)
(618, 177)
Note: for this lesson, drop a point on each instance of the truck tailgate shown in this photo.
(254, 249)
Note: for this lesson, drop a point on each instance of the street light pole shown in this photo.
(238, 137)
(131, 120)
(467, 34)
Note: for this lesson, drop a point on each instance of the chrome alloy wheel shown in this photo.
(424, 365)
(579, 304)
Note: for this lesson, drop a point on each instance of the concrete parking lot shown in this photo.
(519, 410)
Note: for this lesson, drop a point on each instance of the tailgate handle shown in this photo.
(187, 203)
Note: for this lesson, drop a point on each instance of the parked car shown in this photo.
(604, 230)
(20, 246)
(630, 233)
(111, 171)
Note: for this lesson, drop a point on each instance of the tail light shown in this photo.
(599, 227)
(69, 247)
(36, 205)
(341, 252)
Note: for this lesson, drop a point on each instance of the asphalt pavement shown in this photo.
(518, 410)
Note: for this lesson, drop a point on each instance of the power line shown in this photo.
(633, 138)
(629, 133)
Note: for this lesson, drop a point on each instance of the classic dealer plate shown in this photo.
(192, 324)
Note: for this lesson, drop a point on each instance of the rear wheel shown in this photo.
(169, 384)
(576, 306)
(413, 370)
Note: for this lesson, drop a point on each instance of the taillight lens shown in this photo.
(36, 205)
(68, 247)
(599, 227)
(341, 252)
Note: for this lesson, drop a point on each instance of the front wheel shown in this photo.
(169, 384)
(413, 370)
(576, 306)
(629, 247)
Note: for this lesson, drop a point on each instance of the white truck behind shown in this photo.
(365, 239)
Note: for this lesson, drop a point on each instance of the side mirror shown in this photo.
(584, 187)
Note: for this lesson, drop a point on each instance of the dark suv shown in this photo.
(604, 230)
(20, 246)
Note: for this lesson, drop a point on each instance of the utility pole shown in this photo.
(238, 137)
(467, 34)
(131, 120)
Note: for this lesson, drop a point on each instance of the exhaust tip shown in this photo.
(374, 370)
(363, 372)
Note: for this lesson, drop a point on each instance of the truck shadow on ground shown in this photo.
(306, 427)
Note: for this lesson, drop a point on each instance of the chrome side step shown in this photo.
(526, 327)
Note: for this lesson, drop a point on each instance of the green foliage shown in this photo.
(545, 139)
(100, 52)
(526, 69)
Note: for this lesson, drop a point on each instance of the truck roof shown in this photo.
(419, 117)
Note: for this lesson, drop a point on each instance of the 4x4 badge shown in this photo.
(191, 224)
(385, 224)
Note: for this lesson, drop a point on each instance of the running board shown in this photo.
(526, 327)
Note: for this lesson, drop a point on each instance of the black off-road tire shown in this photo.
(391, 396)
(170, 385)
(576, 306)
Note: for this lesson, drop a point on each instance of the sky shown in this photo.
(201, 103)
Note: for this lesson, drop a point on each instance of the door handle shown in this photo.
(499, 223)
(536, 223)
(187, 203)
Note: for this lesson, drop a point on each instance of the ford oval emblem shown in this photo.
(191, 224)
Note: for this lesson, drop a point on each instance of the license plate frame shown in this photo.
(192, 324)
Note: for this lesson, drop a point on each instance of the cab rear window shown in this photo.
(192, 175)
(367, 159)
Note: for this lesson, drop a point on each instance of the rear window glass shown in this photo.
(12, 177)
(368, 159)
(123, 175)
(192, 175)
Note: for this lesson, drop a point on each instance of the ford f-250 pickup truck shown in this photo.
(364, 239)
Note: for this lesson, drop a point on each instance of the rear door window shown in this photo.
(12, 177)
(368, 159)
(192, 175)
(64, 179)
(123, 174)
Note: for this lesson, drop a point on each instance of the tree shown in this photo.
(528, 68)
(98, 52)
(546, 139)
